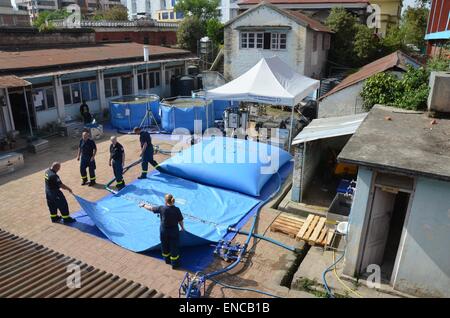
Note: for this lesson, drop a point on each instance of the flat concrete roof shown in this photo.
(397, 140)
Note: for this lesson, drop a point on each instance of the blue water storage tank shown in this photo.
(182, 112)
(128, 112)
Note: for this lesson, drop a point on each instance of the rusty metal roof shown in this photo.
(61, 57)
(296, 16)
(397, 59)
(30, 270)
(331, 2)
(9, 81)
(310, 22)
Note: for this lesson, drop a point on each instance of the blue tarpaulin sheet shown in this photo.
(208, 212)
(194, 258)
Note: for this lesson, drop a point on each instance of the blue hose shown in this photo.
(244, 247)
(268, 239)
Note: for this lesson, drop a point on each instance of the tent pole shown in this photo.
(291, 128)
(28, 112)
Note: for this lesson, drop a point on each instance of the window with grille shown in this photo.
(278, 41)
(251, 40)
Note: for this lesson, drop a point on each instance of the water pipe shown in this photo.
(247, 241)
(125, 169)
(268, 239)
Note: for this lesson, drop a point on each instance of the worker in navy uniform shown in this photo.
(55, 198)
(86, 155)
(85, 114)
(171, 217)
(116, 160)
(146, 151)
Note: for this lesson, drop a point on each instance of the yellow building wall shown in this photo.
(390, 13)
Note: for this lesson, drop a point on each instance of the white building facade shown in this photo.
(266, 31)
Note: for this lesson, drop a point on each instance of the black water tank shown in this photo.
(192, 70)
(186, 84)
(174, 85)
(199, 82)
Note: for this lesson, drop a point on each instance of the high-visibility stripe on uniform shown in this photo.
(93, 178)
(174, 258)
(53, 215)
(83, 177)
(120, 182)
(46, 176)
(144, 171)
(65, 216)
(165, 255)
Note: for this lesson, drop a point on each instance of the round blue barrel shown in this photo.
(128, 112)
(182, 113)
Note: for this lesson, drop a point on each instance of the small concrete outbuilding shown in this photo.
(400, 216)
(316, 175)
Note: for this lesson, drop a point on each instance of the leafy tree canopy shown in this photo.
(43, 21)
(202, 9)
(190, 30)
(408, 92)
(214, 30)
(116, 13)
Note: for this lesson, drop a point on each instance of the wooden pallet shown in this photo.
(287, 224)
(314, 231)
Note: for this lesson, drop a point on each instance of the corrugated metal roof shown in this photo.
(296, 16)
(66, 56)
(397, 59)
(30, 270)
(311, 23)
(9, 81)
(340, 2)
(329, 127)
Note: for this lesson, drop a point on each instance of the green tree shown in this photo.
(116, 13)
(394, 40)
(202, 9)
(366, 44)
(408, 92)
(379, 89)
(343, 24)
(414, 25)
(439, 64)
(190, 31)
(44, 20)
(214, 30)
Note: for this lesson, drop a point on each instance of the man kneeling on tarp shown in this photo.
(171, 217)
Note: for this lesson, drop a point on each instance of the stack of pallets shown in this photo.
(313, 230)
(287, 224)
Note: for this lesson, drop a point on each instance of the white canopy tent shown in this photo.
(270, 81)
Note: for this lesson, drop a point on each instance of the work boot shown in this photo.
(91, 183)
(68, 220)
(142, 176)
(175, 263)
(84, 182)
(120, 186)
(167, 259)
(55, 218)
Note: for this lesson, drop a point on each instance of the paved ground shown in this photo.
(24, 212)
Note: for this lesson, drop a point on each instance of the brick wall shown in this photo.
(31, 37)
(163, 38)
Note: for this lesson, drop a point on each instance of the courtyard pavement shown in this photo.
(24, 212)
